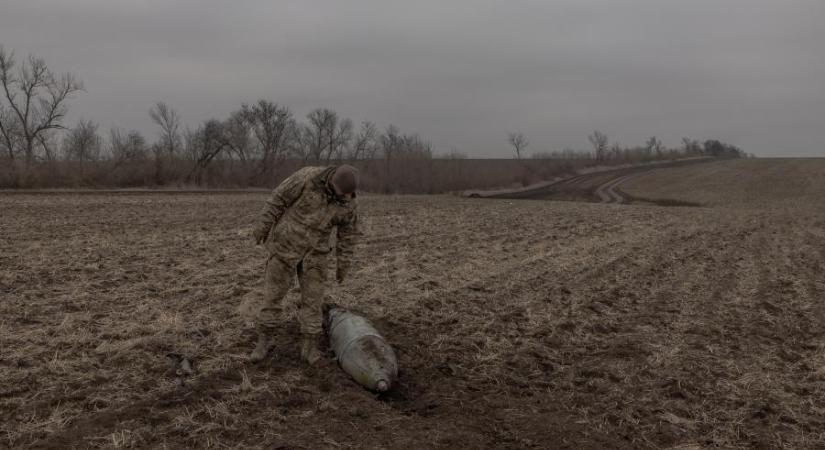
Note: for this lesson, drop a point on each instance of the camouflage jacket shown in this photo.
(301, 214)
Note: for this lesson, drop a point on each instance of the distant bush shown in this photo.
(717, 149)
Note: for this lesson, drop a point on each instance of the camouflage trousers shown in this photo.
(278, 279)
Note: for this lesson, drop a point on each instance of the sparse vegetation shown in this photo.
(602, 326)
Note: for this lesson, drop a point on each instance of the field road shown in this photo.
(518, 324)
(602, 186)
(609, 192)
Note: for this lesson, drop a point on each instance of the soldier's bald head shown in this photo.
(345, 179)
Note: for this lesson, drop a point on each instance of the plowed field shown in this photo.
(518, 323)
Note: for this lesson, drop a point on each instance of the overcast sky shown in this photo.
(460, 73)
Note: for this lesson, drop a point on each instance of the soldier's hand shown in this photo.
(260, 233)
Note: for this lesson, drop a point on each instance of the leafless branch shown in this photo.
(518, 141)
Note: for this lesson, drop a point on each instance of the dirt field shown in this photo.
(518, 324)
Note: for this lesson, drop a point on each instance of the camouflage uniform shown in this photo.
(297, 222)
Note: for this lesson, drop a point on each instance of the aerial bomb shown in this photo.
(360, 350)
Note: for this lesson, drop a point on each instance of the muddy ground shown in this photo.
(518, 324)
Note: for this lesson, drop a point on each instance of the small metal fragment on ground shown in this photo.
(360, 350)
(181, 364)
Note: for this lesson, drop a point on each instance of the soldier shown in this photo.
(295, 229)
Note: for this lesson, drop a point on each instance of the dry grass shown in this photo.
(517, 323)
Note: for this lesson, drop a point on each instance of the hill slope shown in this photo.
(737, 183)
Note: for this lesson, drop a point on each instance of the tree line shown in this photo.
(255, 146)
(653, 150)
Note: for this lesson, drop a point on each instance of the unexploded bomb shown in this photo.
(360, 350)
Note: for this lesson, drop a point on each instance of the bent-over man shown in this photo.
(295, 228)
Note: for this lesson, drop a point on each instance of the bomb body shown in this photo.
(360, 350)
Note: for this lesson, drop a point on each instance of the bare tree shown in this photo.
(10, 133)
(319, 133)
(126, 148)
(390, 142)
(692, 147)
(170, 139)
(414, 147)
(339, 139)
(169, 122)
(33, 103)
(599, 142)
(396, 145)
(48, 142)
(407, 161)
(518, 141)
(326, 136)
(82, 144)
(654, 146)
(238, 133)
(365, 144)
(204, 145)
(272, 126)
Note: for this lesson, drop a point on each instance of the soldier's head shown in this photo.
(344, 182)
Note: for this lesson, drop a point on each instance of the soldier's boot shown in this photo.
(309, 349)
(265, 343)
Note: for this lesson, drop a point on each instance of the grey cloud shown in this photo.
(461, 73)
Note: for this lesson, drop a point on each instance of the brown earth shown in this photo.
(601, 185)
(518, 324)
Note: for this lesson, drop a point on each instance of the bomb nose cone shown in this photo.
(382, 386)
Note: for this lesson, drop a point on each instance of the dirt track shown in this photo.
(603, 186)
(518, 323)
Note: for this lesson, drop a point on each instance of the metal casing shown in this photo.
(361, 351)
